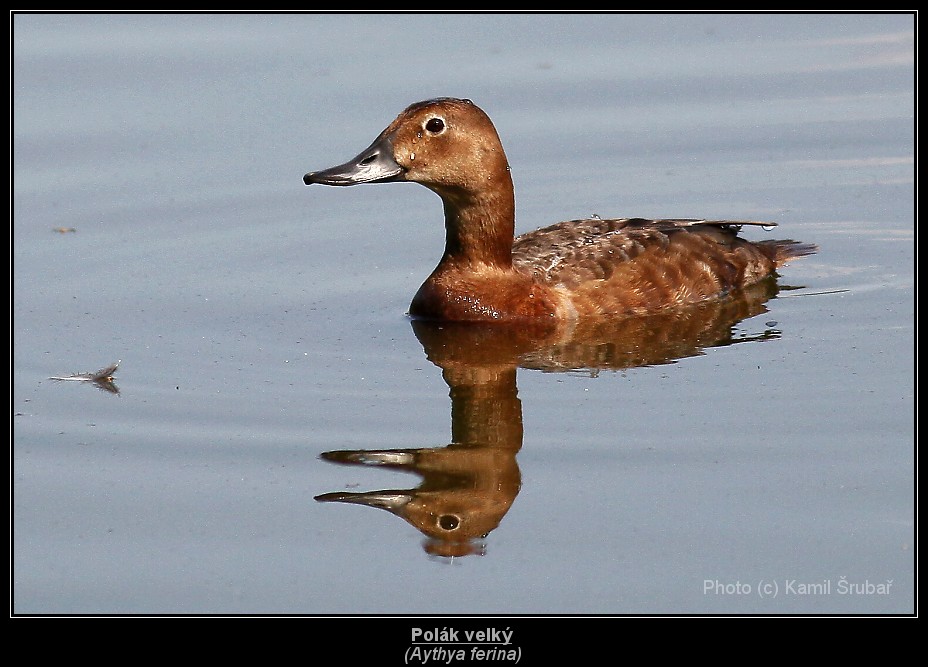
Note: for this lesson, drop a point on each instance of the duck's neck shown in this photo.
(479, 229)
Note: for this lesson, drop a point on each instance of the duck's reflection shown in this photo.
(468, 486)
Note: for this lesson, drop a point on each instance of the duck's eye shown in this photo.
(435, 125)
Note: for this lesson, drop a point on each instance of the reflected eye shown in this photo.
(448, 521)
(435, 125)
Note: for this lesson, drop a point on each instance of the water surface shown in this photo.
(266, 359)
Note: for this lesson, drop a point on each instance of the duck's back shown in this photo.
(633, 266)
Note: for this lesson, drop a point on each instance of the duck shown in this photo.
(590, 268)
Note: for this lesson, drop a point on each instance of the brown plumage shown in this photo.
(572, 270)
(633, 266)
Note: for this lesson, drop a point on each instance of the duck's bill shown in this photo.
(392, 501)
(375, 164)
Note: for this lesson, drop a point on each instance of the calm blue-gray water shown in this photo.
(266, 359)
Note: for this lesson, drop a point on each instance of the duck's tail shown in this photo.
(785, 250)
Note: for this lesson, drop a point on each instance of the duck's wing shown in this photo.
(577, 250)
(685, 258)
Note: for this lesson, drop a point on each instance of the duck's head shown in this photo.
(447, 144)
